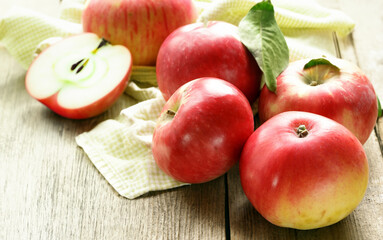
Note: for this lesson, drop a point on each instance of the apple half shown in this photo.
(80, 76)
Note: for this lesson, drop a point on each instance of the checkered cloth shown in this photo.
(121, 148)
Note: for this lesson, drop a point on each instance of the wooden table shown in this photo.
(49, 189)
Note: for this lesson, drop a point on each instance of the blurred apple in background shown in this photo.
(207, 50)
(302, 170)
(331, 87)
(80, 76)
(140, 25)
(201, 130)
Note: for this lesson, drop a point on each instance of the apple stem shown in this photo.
(170, 112)
(302, 131)
(102, 43)
(318, 71)
(314, 83)
(168, 115)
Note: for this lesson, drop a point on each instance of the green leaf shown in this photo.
(379, 108)
(319, 61)
(260, 33)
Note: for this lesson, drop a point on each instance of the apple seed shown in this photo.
(74, 66)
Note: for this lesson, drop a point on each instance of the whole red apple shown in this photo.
(140, 25)
(201, 130)
(207, 50)
(331, 87)
(80, 76)
(302, 170)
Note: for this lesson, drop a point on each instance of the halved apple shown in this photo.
(80, 76)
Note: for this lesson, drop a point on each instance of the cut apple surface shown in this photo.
(80, 76)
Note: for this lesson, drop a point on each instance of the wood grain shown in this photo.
(367, 37)
(367, 52)
(366, 221)
(51, 190)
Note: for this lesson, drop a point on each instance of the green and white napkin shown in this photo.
(121, 148)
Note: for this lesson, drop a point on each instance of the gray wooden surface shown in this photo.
(49, 189)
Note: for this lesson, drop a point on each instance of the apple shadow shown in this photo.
(247, 223)
(200, 207)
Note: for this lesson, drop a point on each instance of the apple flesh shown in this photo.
(80, 76)
(340, 91)
(201, 130)
(140, 25)
(207, 50)
(302, 170)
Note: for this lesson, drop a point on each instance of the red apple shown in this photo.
(140, 25)
(201, 130)
(80, 76)
(207, 50)
(302, 170)
(340, 91)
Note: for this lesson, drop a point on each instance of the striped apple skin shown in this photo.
(140, 25)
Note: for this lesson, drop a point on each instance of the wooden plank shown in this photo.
(368, 42)
(367, 53)
(245, 221)
(49, 189)
(366, 222)
(367, 37)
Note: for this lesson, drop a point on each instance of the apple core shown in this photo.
(93, 69)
